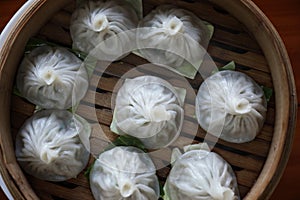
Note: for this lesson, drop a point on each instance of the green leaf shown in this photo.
(210, 27)
(37, 108)
(229, 66)
(188, 70)
(161, 190)
(165, 196)
(127, 140)
(268, 92)
(36, 42)
(88, 170)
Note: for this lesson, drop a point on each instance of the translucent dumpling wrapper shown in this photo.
(200, 175)
(53, 145)
(233, 103)
(52, 78)
(174, 38)
(150, 109)
(124, 173)
(105, 25)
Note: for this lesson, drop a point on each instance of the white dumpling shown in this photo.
(150, 109)
(233, 102)
(53, 145)
(124, 173)
(173, 37)
(52, 78)
(201, 175)
(104, 23)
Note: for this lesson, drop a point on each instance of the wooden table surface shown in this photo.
(285, 15)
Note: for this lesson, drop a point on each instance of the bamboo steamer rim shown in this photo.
(19, 31)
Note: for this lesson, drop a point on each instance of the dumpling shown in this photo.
(175, 38)
(230, 103)
(201, 175)
(53, 145)
(52, 78)
(105, 23)
(150, 109)
(124, 173)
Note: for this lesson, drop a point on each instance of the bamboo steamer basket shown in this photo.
(242, 33)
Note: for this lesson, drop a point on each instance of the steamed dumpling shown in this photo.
(232, 102)
(201, 175)
(104, 23)
(150, 109)
(124, 173)
(53, 145)
(174, 37)
(52, 78)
